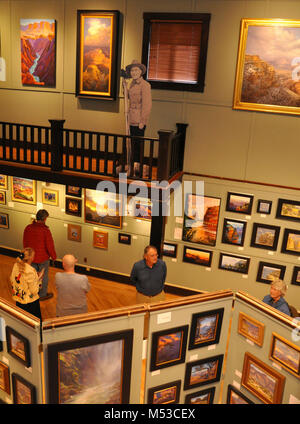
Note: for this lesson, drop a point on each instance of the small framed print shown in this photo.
(24, 392)
(168, 347)
(73, 191)
(296, 276)
(169, 249)
(2, 197)
(291, 242)
(73, 206)
(267, 272)
(206, 328)
(261, 380)
(4, 221)
(18, 346)
(4, 378)
(3, 181)
(241, 203)
(100, 239)
(197, 256)
(124, 238)
(286, 354)
(265, 236)
(251, 328)
(74, 232)
(203, 371)
(235, 397)
(288, 209)
(50, 197)
(23, 190)
(164, 394)
(264, 206)
(203, 397)
(234, 232)
(234, 263)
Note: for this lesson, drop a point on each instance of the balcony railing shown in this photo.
(91, 152)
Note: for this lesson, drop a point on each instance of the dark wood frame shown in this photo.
(71, 193)
(234, 256)
(195, 317)
(279, 209)
(31, 388)
(68, 211)
(287, 232)
(190, 261)
(128, 241)
(210, 392)
(190, 365)
(7, 220)
(154, 347)
(231, 389)
(187, 17)
(224, 240)
(249, 196)
(271, 265)
(167, 253)
(294, 276)
(6, 380)
(55, 348)
(152, 391)
(255, 227)
(259, 202)
(11, 332)
(114, 14)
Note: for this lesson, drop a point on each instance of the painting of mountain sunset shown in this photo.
(38, 49)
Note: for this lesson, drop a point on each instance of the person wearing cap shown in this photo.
(276, 297)
(38, 236)
(140, 104)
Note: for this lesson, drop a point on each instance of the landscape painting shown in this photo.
(204, 397)
(268, 63)
(265, 236)
(164, 394)
(203, 371)
(23, 190)
(206, 328)
(197, 256)
(234, 232)
(288, 209)
(241, 203)
(103, 208)
(38, 51)
(251, 328)
(286, 354)
(291, 242)
(268, 272)
(234, 263)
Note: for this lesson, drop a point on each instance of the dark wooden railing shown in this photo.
(91, 152)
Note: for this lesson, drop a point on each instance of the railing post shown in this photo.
(181, 130)
(57, 144)
(164, 154)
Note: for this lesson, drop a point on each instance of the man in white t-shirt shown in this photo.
(71, 289)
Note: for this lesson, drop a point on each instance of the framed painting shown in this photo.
(97, 53)
(50, 197)
(264, 206)
(103, 369)
(2, 197)
(124, 238)
(38, 52)
(206, 328)
(288, 209)
(235, 397)
(251, 328)
(74, 232)
(203, 371)
(262, 380)
(291, 242)
(201, 216)
(197, 256)
(100, 239)
(23, 190)
(168, 347)
(3, 181)
(73, 191)
(240, 203)
(4, 221)
(139, 207)
(296, 276)
(23, 392)
(103, 208)
(267, 71)
(234, 232)
(265, 236)
(234, 263)
(18, 346)
(203, 397)
(164, 394)
(267, 272)
(285, 354)
(169, 249)
(4, 378)
(73, 206)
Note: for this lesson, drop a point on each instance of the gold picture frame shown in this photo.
(23, 190)
(286, 354)
(100, 239)
(267, 66)
(50, 197)
(251, 328)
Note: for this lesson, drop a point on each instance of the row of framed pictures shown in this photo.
(100, 238)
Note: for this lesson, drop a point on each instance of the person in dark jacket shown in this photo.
(38, 236)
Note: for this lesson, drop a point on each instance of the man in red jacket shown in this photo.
(38, 236)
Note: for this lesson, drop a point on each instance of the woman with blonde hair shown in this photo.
(276, 299)
(26, 282)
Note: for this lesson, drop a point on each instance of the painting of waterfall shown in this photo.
(38, 52)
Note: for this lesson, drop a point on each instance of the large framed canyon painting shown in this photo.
(97, 36)
(268, 66)
(38, 52)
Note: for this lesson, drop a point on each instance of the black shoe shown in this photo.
(48, 296)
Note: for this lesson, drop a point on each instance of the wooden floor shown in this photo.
(103, 295)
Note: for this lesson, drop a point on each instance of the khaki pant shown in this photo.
(141, 298)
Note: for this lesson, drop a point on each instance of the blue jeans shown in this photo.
(43, 265)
